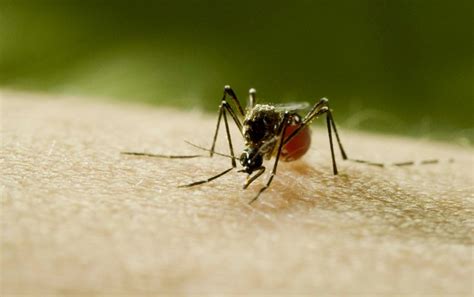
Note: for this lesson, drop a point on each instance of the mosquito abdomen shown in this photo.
(298, 145)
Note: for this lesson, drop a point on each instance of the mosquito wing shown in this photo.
(292, 106)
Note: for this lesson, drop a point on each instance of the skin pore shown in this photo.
(79, 217)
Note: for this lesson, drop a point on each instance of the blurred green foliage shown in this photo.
(403, 66)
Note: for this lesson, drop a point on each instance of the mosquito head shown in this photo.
(251, 159)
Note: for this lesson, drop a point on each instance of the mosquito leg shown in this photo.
(229, 140)
(328, 123)
(206, 180)
(162, 156)
(223, 109)
(398, 164)
(314, 112)
(425, 162)
(282, 130)
(378, 164)
(367, 162)
(143, 154)
(234, 117)
(333, 124)
(261, 170)
(406, 163)
(323, 107)
(228, 91)
(252, 98)
(208, 150)
(318, 109)
(217, 131)
(311, 114)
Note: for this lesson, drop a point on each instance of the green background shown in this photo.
(394, 66)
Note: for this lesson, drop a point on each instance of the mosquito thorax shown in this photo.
(261, 124)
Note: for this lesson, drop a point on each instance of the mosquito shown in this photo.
(269, 131)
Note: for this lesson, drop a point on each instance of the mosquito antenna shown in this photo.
(208, 150)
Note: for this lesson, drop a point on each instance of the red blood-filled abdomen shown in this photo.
(298, 145)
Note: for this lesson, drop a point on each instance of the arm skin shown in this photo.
(78, 217)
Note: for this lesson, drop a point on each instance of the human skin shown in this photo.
(80, 218)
